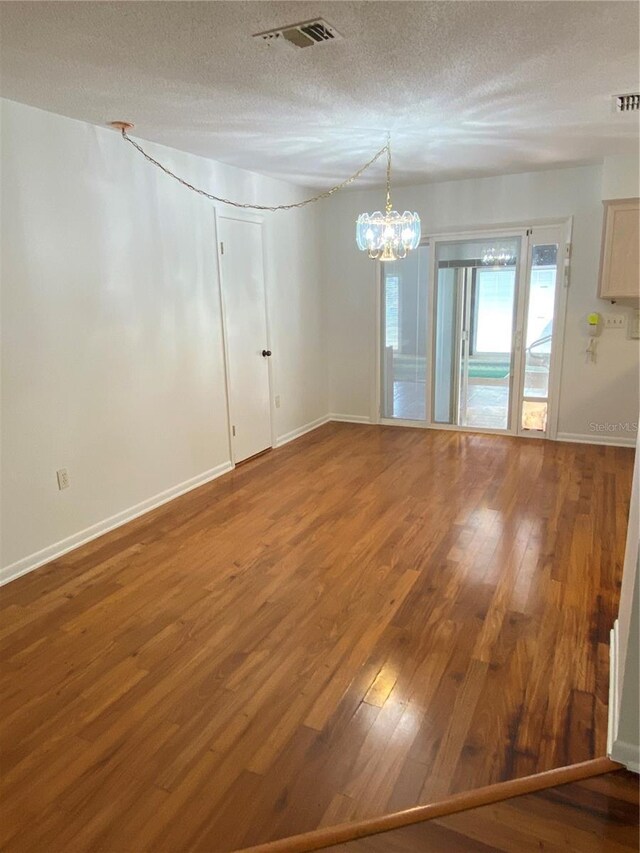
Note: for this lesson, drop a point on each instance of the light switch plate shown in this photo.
(615, 321)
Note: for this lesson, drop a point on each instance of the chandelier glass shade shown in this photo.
(390, 235)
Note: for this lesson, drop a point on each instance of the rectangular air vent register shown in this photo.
(306, 34)
(627, 103)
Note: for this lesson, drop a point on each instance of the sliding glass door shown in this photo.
(404, 337)
(469, 332)
(474, 342)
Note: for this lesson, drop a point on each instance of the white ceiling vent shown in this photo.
(306, 34)
(627, 103)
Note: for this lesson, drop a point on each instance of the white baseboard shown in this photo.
(58, 549)
(614, 657)
(597, 438)
(350, 419)
(52, 552)
(296, 433)
(627, 754)
(591, 438)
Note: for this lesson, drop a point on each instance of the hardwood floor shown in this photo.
(594, 816)
(365, 619)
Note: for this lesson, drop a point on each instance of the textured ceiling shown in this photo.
(467, 88)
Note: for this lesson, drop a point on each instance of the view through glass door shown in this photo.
(404, 317)
(468, 332)
(540, 322)
(475, 342)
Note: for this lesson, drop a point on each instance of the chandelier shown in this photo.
(390, 235)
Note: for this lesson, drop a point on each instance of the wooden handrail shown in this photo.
(327, 836)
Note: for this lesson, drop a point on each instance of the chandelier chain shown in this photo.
(326, 194)
(388, 146)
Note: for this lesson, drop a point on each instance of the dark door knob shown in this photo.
(266, 353)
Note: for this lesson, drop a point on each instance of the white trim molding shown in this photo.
(300, 431)
(58, 549)
(350, 419)
(595, 438)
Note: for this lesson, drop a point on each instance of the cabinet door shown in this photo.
(620, 264)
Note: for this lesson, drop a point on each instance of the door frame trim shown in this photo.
(376, 397)
(223, 329)
(560, 319)
(564, 229)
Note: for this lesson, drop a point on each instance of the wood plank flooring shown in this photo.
(365, 619)
(597, 815)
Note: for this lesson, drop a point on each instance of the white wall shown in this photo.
(621, 177)
(605, 392)
(630, 566)
(624, 740)
(111, 334)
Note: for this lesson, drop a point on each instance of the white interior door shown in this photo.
(247, 340)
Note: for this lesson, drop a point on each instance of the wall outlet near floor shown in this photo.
(277, 401)
(63, 479)
(615, 321)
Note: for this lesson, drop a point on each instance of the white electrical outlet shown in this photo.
(615, 321)
(63, 479)
(634, 326)
(277, 401)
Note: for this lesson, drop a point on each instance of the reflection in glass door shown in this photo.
(473, 346)
(404, 336)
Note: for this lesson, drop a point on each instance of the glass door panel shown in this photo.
(491, 347)
(473, 355)
(446, 347)
(404, 336)
(539, 321)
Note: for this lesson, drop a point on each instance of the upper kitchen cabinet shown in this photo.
(620, 261)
